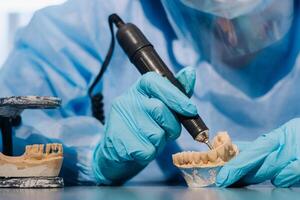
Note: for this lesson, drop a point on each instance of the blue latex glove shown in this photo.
(139, 125)
(274, 156)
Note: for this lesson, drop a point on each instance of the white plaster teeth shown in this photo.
(212, 155)
(204, 157)
(41, 148)
(185, 157)
(197, 159)
(48, 148)
(35, 148)
(223, 151)
(52, 148)
(36, 151)
(217, 141)
(35, 162)
(190, 157)
(27, 149)
(232, 151)
(60, 148)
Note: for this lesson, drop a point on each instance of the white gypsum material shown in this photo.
(223, 150)
(35, 162)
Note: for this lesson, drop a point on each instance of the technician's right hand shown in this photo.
(140, 124)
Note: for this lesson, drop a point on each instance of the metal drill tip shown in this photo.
(203, 137)
(208, 144)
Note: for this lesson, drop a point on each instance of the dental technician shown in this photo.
(238, 59)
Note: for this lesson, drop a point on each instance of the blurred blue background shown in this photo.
(13, 15)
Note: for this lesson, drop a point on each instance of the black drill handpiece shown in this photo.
(142, 54)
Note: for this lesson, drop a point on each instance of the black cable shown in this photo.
(97, 99)
(98, 107)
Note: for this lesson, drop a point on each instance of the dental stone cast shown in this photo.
(34, 162)
(200, 169)
(223, 150)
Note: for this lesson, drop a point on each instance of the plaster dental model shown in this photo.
(34, 162)
(200, 168)
(35, 168)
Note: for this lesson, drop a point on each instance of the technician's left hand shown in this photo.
(274, 156)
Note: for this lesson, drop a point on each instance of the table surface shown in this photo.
(136, 192)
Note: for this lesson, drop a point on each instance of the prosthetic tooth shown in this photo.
(219, 138)
(231, 151)
(31, 150)
(179, 158)
(224, 137)
(56, 147)
(182, 157)
(190, 157)
(204, 157)
(212, 155)
(217, 141)
(41, 149)
(197, 158)
(226, 149)
(185, 158)
(27, 149)
(48, 148)
(194, 157)
(221, 152)
(215, 144)
(35, 148)
(60, 148)
(52, 148)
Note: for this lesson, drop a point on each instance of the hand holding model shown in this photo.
(274, 156)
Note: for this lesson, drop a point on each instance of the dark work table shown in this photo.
(145, 192)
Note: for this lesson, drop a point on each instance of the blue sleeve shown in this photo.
(59, 54)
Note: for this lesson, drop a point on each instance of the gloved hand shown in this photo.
(274, 156)
(140, 123)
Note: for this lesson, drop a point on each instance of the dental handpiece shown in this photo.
(144, 57)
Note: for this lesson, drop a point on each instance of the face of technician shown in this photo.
(230, 31)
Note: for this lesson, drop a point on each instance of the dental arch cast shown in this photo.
(223, 151)
(36, 161)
